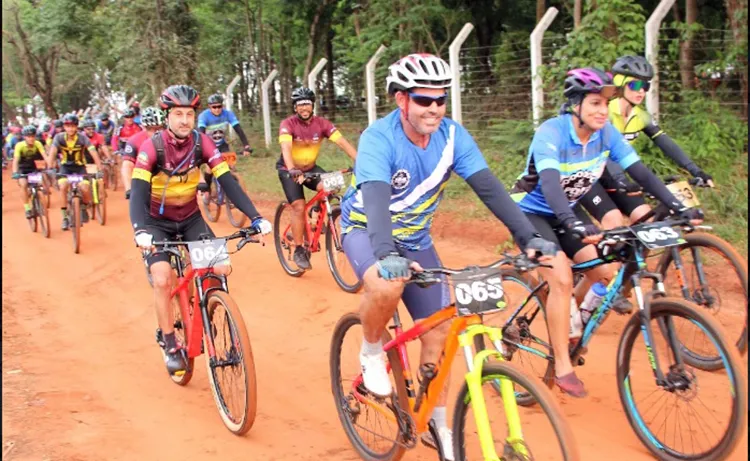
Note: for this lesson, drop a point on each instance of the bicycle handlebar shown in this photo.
(309, 176)
(521, 262)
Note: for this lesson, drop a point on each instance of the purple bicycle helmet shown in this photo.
(581, 82)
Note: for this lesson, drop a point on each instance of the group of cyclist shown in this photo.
(577, 161)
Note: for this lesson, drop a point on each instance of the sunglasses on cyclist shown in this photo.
(426, 101)
(637, 85)
(216, 107)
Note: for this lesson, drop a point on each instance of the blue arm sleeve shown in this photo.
(374, 154)
(202, 120)
(555, 196)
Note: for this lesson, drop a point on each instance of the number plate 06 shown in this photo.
(657, 235)
(332, 181)
(479, 292)
(208, 253)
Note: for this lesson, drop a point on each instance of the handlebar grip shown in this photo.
(671, 178)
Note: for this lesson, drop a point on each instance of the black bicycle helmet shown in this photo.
(633, 66)
(129, 113)
(29, 130)
(45, 128)
(70, 119)
(180, 96)
(215, 99)
(303, 94)
(58, 123)
(89, 123)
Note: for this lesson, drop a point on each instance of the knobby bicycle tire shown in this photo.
(540, 394)
(397, 450)
(75, 223)
(663, 308)
(241, 425)
(333, 244)
(42, 213)
(738, 265)
(213, 198)
(32, 221)
(282, 251)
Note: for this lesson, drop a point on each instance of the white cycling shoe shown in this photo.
(446, 442)
(375, 374)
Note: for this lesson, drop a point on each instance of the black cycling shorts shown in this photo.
(599, 202)
(72, 169)
(551, 229)
(191, 229)
(292, 189)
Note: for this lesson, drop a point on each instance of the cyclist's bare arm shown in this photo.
(95, 155)
(52, 156)
(346, 147)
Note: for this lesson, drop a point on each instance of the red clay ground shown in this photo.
(83, 379)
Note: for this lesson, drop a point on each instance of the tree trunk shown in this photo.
(284, 65)
(577, 13)
(252, 55)
(313, 38)
(540, 8)
(687, 66)
(8, 113)
(737, 13)
(330, 93)
(161, 71)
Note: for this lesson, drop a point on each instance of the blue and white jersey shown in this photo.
(217, 128)
(556, 146)
(417, 176)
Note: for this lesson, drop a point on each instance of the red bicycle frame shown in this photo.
(192, 317)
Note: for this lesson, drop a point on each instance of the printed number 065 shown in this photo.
(479, 291)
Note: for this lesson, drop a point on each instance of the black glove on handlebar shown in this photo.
(203, 187)
(691, 213)
(703, 176)
(540, 245)
(581, 230)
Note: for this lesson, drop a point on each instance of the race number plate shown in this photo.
(332, 181)
(230, 158)
(208, 253)
(479, 291)
(73, 178)
(684, 193)
(34, 178)
(658, 235)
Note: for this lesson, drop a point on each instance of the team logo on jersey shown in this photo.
(400, 179)
(128, 149)
(143, 157)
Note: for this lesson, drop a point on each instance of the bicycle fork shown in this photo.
(474, 384)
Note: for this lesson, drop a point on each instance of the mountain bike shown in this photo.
(322, 218)
(212, 202)
(396, 421)
(39, 211)
(212, 321)
(111, 171)
(655, 337)
(99, 196)
(74, 200)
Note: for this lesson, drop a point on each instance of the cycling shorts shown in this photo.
(420, 302)
(192, 228)
(552, 229)
(599, 202)
(292, 189)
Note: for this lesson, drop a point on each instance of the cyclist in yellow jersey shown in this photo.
(71, 145)
(301, 136)
(615, 194)
(25, 154)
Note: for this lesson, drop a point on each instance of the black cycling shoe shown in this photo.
(622, 305)
(175, 361)
(29, 214)
(65, 223)
(301, 259)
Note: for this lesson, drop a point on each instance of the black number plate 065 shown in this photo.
(658, 235)
(479, 291)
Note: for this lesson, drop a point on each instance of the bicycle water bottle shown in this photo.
(592, 300)
(576, 326)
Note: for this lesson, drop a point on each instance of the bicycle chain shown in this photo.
(406, 427)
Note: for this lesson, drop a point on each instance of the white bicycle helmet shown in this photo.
(418, 71)
(152, 116)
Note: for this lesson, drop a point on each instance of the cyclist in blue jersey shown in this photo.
(402, 165)
(566, 158)
(216, 122)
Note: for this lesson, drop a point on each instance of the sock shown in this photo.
(371, 348)
(170, 340)
(64, 211)
(440, 416)
(27, 206)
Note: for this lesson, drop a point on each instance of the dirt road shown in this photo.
(83, 378)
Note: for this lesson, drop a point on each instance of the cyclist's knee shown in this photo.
(639, 212)
(298, 206)
(380, 291)
(559, 276)
(612, 219)
(161, 274)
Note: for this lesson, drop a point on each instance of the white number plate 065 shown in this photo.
(479, 292)
(208, 253)
(34, 178)
(684, 193)
(657, 235)
(332, 181)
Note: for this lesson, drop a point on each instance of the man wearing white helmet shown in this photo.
(403, 163)
(152, 121)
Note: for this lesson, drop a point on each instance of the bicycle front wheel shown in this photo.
(372, 425)
(283, 240)
(231, 372)
(101, 207)
(709, 272)
(42, 213)
(342, 271)
(694, 414)
(540, 429)
(75, 223)
(236, 217)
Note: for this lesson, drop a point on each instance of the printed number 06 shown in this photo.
(202, 254)
(479, 291)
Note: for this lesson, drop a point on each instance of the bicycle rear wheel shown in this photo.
(341, 270)
(713, 276)
(75, 223)
(524, 326)
(540, 428)
(231, 372)
(236, 217)
(674, 419)
(284, 244)
(372, 426)
(210, 202)
(41, 212)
